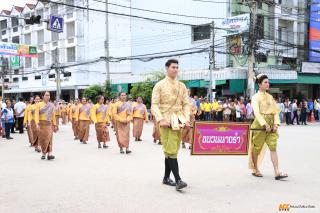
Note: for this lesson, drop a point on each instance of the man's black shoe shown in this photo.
(180, 185)
(9, 138)
(169, 182)
(50, 157)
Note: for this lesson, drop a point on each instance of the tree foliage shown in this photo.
(144, 89)
(94, 91)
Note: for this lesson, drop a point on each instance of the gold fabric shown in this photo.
(170, 101)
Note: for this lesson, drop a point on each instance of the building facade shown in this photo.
(82, 41)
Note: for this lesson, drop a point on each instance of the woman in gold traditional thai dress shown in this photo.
(100, 117)
(187, 132)
(122, 114)
(83, 116)
(140, 114)
(45, 120)
(265, 127)
(73, 117)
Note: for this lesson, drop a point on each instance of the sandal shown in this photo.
(257, 174)
(280, 176)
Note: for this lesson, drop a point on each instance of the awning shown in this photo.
(308, 79)
(236, 86)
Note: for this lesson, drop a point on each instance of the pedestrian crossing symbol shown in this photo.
(56, 24)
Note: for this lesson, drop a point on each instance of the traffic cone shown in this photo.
(312, 117)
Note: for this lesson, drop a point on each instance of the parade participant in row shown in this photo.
(170, 105)
(100, 117)
(140, 114)
(45, 119)
(68, 111)
(32, 124)
(187, 132)
(83, 116)
(265, 127)
(156, 131)
(26, 120)
(122, 114)
(73, 117)
(63, 111)
(57, 112)
(7, 118)
(111, 104)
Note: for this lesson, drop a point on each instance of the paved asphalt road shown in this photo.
(84, 178)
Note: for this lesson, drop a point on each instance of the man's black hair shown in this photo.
(171, 61)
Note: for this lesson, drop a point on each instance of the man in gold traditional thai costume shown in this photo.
(25, 120)
(122, 114)
(187, 132)
(264, 128)
(171, 107)
(140, 114)
(100, 117)
(45, 119)
(83, 116)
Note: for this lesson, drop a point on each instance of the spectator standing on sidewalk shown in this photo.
(19, 110)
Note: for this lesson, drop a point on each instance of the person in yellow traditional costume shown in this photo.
(73, 117)
(100, 118)
(45, 119)
(264, 128)
(187, 132)
(122, 114)
(140, 115)
(84, 119)
(171, 108)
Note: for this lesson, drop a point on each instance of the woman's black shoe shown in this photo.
(50, 157)
(180, 185)
(128, 151)
(121, 151)
(169, 182)
(43, 157)
(9, 138)
(105, 146)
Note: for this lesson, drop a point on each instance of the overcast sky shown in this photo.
(7, 4)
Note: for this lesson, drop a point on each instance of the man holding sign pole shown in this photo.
(171, 108)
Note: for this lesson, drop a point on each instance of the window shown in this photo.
(40, 35)
(69, 9)
(24, 78)
(70, 29)
(14, 22)
(37, 77)
(54, 56)
(16, 40)
(52, 75)
(54, 36)
(54, 9)
(260, 57)
(260, 27)
(3, 24)
(15, 79)
(41, 59)
(27, 63)
(5, 40)
(27, 38)
(201, 33)
(71, 54)
(16, 72)
(6, 80)
(259, 5)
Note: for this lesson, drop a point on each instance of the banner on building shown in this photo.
(15, 62)
(235, 45)
(236, 24)
(314, 31)
(217, 138)
(309, 67)
(18, 50)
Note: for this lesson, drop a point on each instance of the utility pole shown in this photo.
(106, 43)
(212, 62)
(252, 42)
(58, 80)
(2, 77)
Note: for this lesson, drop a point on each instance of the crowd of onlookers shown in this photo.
(240, 109)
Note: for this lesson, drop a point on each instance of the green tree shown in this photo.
(144, 89)
(93, 92)
(107, 90)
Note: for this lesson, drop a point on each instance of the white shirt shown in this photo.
(19, 107)
(238, 111)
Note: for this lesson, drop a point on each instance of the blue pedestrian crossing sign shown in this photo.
(56, 24)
